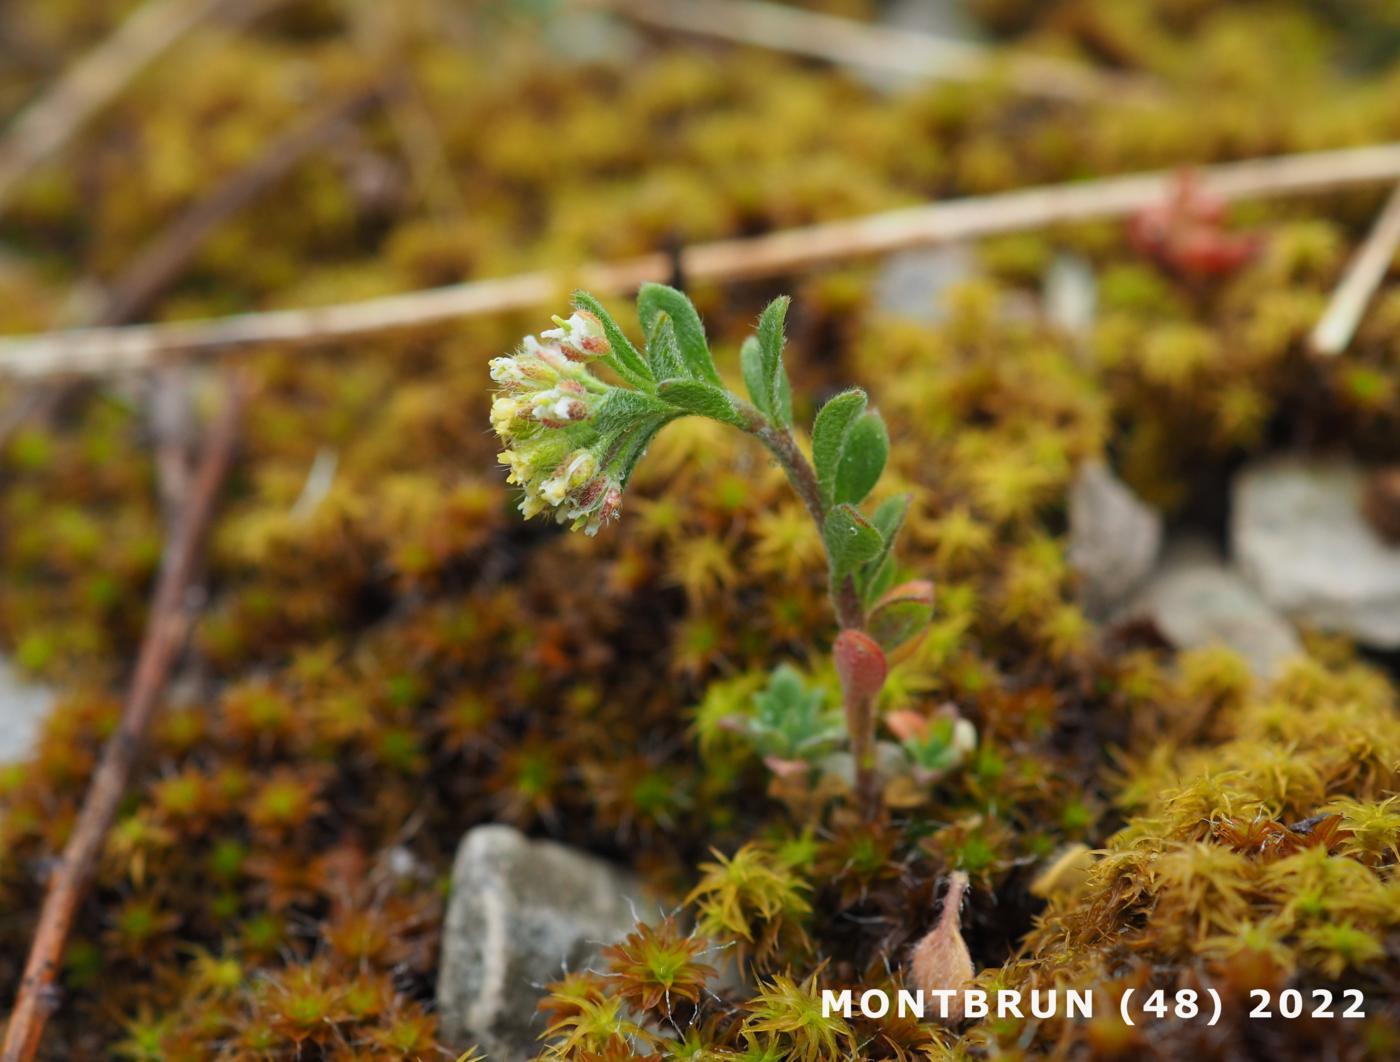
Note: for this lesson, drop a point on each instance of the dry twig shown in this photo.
(89, 84)
(166, 627)
(879, 49)
(104, 350)
(162, 260)
(50, 121)
(381, 31)
(174, 434)
(19, 409)
(1364, 273)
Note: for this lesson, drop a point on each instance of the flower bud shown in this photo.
(577, 470)
(861, 664)
(505, 410)
(606, 511)
(581, 337)
(560, 405)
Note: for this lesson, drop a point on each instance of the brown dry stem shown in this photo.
(96, 351)
(165, 633)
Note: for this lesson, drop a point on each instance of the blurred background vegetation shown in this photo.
(386, 655)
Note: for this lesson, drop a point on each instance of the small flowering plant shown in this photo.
(572, 441)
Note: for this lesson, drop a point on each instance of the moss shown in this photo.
(403, 635)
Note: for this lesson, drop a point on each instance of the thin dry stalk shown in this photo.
(92, 82)
(96, 351)
(1367, 269)
(173, 435)
(162, 261)
(881, 50)
(19, 408)
(165, 635)
(35, 401)
(382, 32)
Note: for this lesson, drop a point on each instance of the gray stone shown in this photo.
(912, 283)
(1071, 295)
(591, 37)
(939, 18)
(1113, 537)
(23, 706)
(889, 760)
(1298, 533)
(520, 915)
(1195, 600)
(946, 25)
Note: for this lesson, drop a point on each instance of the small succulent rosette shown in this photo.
(934, 744)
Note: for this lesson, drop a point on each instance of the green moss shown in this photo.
(405, 652)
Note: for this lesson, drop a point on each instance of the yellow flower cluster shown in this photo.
(545, 412)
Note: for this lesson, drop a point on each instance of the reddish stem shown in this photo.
(850, 612)
(165, 635)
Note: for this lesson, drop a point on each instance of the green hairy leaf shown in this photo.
(792, 721)
(701, 399)
(863, 456)
(663, 352)
(876, 577)
(655, 300)
(623, 410)
(829, 433)
(901, 614)
(624, 359)
(632, 447)
(851, 540)
(782, 399)
(777, 387)
(751, 363)
(627, 422)
(888, 519)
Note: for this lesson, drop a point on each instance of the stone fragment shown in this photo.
(1113, 537)
(23, 706)
(1299, 533)
(522, 913)
(1071, 295)
(1194, 599)
(912, 284)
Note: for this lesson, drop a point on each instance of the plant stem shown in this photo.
(860, 721)
(780, 442)
(795, 464)
(850, 612)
